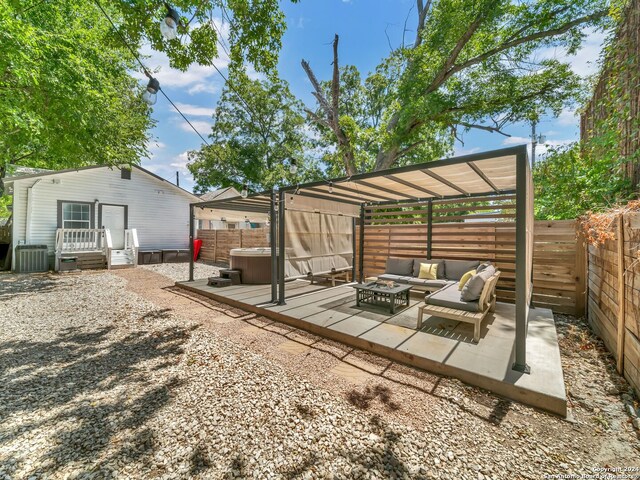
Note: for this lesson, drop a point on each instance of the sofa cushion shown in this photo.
(418, 261)
(482, 266)
(439, 283)
(465, 278)
(454, 269)
(474, 286)
(450, 297)
(399, 266)
(428, 271)
(403, 279)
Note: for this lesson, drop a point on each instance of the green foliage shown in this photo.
(472, 65)
(66, 95)
(570, 182)
(254, 137)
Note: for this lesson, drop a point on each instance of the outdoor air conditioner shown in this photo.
(32, 258)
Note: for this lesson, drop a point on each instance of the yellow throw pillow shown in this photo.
(428, 271)
(465, 278)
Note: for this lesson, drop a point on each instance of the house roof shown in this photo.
(227, 192)
(9, 180)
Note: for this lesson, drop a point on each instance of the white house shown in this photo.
(99, 209)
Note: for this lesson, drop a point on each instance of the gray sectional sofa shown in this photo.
(406, 271)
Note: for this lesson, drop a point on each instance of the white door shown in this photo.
(113, 218)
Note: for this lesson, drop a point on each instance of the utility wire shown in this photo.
(146, 71)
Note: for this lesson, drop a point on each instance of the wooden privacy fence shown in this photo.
(558, 259)
(614, 295)
(216, 244)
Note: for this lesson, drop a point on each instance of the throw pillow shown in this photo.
(473, 289)
(428, 271)
(465, 278)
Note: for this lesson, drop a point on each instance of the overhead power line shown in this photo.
(146, 71)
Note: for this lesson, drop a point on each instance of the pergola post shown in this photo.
(522, 273)
(281, 251)
(353, 249)
(361, 258)
(273, 239)
(429, 228)
(191, 235)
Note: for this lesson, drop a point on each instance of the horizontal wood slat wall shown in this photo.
(216, 244)
(558, 259)
(614, 296)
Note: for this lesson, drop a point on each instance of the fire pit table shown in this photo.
(374, 293)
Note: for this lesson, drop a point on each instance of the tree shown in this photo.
(258, 129)
(471, 65)
(66, 99)
(569, 181)
(67, 96)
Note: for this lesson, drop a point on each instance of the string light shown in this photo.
(245, 191)
(330, 187)
(169, 24)
(150, 95)
(293, 168)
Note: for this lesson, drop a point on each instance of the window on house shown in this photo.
(76, 215)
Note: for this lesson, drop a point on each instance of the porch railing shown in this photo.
(131, 244)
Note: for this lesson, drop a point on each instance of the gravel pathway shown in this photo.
(180, 271)
(105, 379)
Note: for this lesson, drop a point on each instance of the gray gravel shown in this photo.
(99, 383)
(179, 272)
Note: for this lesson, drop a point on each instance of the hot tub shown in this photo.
(254, 263)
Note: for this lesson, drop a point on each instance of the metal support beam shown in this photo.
(192, 222)
(273, 239)
(361, 258)
(353, 249)
(429, 228)
(522, 304)
(281, 251)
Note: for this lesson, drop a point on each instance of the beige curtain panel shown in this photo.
(317, 243)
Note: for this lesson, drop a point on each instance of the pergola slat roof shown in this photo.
(487, 173)
(475, 175)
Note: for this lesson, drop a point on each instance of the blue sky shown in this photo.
(312, 24)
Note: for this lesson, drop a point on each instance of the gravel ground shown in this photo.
(180, 271)
(121, 376)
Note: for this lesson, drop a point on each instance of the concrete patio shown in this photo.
(441, 346)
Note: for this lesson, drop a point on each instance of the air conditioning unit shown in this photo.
(32, 258)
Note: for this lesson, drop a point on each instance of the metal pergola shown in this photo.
(482, 175)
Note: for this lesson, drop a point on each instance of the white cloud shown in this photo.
(568, 117)
(197, 78)
(514, 140)
(541, 148)
(195, 110)
(460, 150)
(585, 61)
(202, 126)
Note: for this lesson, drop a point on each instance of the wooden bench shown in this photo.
(486, 304)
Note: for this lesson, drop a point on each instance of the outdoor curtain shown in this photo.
(317, 243)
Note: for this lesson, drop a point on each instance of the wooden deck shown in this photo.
(441, 346)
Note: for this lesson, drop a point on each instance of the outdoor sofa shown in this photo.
(446, 297)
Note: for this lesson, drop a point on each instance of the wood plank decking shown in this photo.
(440, 346)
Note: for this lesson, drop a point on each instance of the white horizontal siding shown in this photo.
(158, 210)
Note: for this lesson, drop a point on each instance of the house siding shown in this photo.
(158, 210)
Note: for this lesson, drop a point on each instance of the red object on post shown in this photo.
(197, 244)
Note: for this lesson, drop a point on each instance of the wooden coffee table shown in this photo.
(373, 294)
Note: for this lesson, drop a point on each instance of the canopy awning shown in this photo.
(466, 176)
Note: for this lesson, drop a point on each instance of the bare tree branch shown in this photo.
(316, 86)
(422, 17)
(486, 128)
